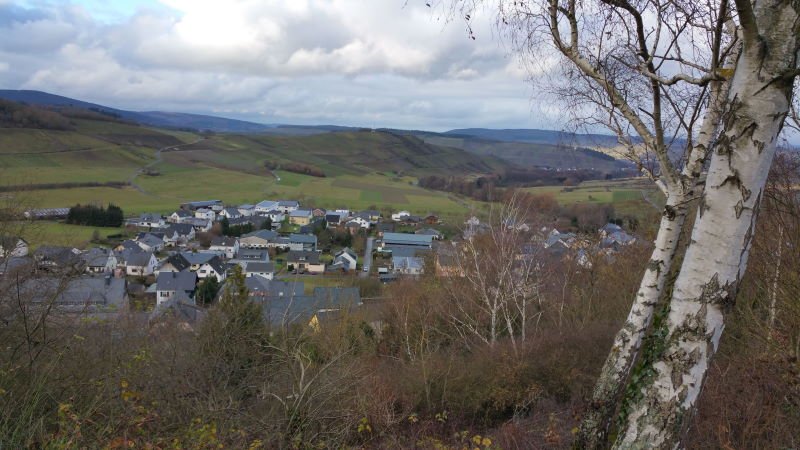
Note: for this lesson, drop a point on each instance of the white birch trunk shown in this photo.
(628, 341)
(773, 291)
(759, 99)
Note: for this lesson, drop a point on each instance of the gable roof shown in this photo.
(216, 264)
(137, 259)
(178, 262)
(223, 241)
(198, 257)
(303, 256)
(303, 238)
(267, 235)
(346, 251)
(96, 257)
(176, 281)
(181, 213)
(301, 213)
(183, 229)
(258, 267)
(407, 239)
(288, 203)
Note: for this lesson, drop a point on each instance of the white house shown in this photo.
(150, 220)
(361, 221)
(179, 216)
(227, 245)
(213, 268)
(205, 214)
(139, 263)
(168, 284)
(150, 243)
(275, 215)
(99, 260)
(265, 206)
(399, 216)
(347, 258)
(247, 210)
(11, 247)
(230, 213)
(288, 206)
(262, 269)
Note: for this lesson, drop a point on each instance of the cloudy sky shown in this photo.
(375, 63)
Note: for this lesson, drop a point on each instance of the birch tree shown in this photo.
(651, 71)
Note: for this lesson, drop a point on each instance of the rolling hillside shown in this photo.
(143, 168)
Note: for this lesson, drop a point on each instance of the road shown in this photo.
(158, 160)
(367, 257)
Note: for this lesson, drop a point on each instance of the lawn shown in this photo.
(54, 233)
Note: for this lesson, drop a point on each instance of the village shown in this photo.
(299, 262)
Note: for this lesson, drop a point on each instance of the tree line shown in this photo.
(96, 216)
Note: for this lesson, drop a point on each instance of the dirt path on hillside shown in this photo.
(150, 165)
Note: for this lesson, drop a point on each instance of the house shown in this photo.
(362, 220)
(137, 262)
(435, 234)
(446, 260)
(275, 215)
(180, 308)
(213, 268)
(214, 205)
(370, 214)
(247, 210)
(128, 244)
(609, 229)
(229, 246)
(257, 268)
(17, 265)
(94, 296)
(261, 288)
(205, 214)
(201, 225)
(197, 259)
(178, 234)
(347, 258)
(294, 307)
(319, 212)
(385, 227)
(179, 216)
(265, 206)
(13, 247)
(50, 257)
(151, 220)
(353, 227)
(431, 219)
(168, 284)
(335, 218)
(150, 243)
(288, 206)
(407, 240)
(304, 261)
(302, 242)
(560, 241)
(258, 239)
(408, 265)
(300, 217)
(617, 239)
(175, 263)
(230, 213)
(251, 254)
(99, 260)
(400, 216)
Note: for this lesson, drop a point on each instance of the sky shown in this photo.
(370, 63)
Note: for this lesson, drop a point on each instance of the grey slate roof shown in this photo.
(302, 256)
(183, 229)
(198, 257)
(267, 235)
(96, 257)
(178, 262)
(407, 239)
(136, 259)
(176, 281)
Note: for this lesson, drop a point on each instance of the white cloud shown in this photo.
(335, 61)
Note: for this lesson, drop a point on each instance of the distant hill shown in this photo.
(535, 136)
(152, 118)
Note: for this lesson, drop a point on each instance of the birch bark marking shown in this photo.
(759, 97)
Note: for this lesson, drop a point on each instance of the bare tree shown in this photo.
(499, 284)
(716, 74)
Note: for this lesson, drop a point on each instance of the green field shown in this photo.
(53, 233)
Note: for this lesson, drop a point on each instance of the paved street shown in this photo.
(367, 257)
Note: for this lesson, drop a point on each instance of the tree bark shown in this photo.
(706, 286)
